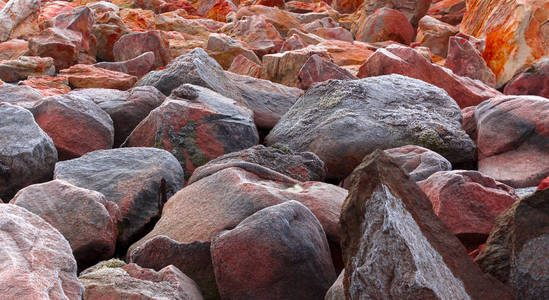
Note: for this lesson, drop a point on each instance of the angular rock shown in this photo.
(317, 69)
(27, 154)
(515, 33)
(196, 125)
(419, 162)
(134, 282)
(345, 53)
(465, 60)
(134, 44)
(302, 166)
(396, 59)
(83, 217)
(394, 246)
(435, 35)
(14, 13)
(467, 203)
(108, 29)
(513, 140)
(139, 180)
(259, 34)
(385, 24)
(138, 66)
(243, 66)
(379, 111)
(25, 66)
(23, 96)
(76, 126)
(414, 10)
(60, 44)
(282, 20)
(13, 49)
(138, 20)
(448, 11)
(87, 76)
(224, 50)
(293, 42)
(290, 257)
(48, 86)
(36, 260)
(126, 108)
(532, 81)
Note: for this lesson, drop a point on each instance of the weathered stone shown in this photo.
(259, 34)
(60, 44)
(385, 24)
(293, 42)
(414, 10)
(336, 291)
(419, 162)
(25, 66)
(435, 35)
(224, 49)
(464, 60)
(48, 86)
(13, 49)
(14, 13)
(243, 66)
(447, 11)
(317, 69)
(88, 76)
(108, 29)
(138, 66)
(19, 95)
(532, 81)
(282, 20)
(134, 44)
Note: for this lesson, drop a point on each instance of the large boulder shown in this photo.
(36, 260)
(27, 153)
(516, 251)
(280, 252)
(384, 24)
(397, 59)
(532, 81)
(395, 247)
(139, 180)
(513, 140)
(134, 44)
(468, 203)
(83, 217)
(77, 126)
(116, 280)
(515, 33)
(196, 125)
(382, 112)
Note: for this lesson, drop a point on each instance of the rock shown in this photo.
(346, 6)
(419, 162)
(396, 59)
(515, 33)
(138, 66)
(108, 29)
(27, 154)
(290, 257)
(544, 184)
(464, 60)
(282, 20)
(512, 139)
(36, 260)
(76, 126)
(302, 166)
(379, 111)
(25, 66)
(467, 203)
(317, 69)
(83, 217)
(514, 252)
(139, 180)
(134, 44)
(259, 34)
(345, 53)
(134, 282)
(87, 76)
(284, 67)
(336, 33)
(193, 259)
(533, 81)
(80, 20)
(448, 11)
(224, 50)
(336, 291)
(243, 66)
(414, 10)
(196, 125)
(14, 13)
(60, 44)
(20, 95)
(220, 10)
(435, 35)
(13, 49)
(138, 20)
(293, 42)
(383, 25)
(48, 86)
(126, 108)
(394, 246)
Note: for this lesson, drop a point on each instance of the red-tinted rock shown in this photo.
(52, 9)
(346, 53)
(224, 49)
(395, 247)
(196, 125)
(448, 11)
(469, 122)
(76, 126)
(271, 3)
(317, 69)
(406, 61)
(383, 25)
(465, 60)
(108, 29)
(79, 20)
(110, 280)
(138, 19)
(293, 42)
(259, 34)
(336, 291)
(282, 20)
(346, 6)
(419, 162)
(60, 44)
(544, 184)
(48, 86)
(87, 76)
(513, 139)
(533, 81)
(14, 13)
(467, 203)
(435, 35)
(244, 66)
(25, 66)
(336, 33)
(280, 252)
(83, 217)
(13, 49)
(134, 44)
(138, 66)
(139, 180)
(414, 10)
(36, 260)
(220, 10)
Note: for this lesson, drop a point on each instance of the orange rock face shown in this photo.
(48, 86)
(516, 33)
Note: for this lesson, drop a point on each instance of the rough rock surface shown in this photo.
(83, 217)
(533, 81)
(14, 13)
(435, 35)
(394, 246)
(290, 257)
(336, 291)
(384, 112)
(139, 180)
(88, 76)
(419, 162)
(138, 66)
(23, 96)
(465, 60)
(36, 261)
(27, 153)
(25, 66)
(385, 24)
(317, 69)
(134, 44)
(414, 10)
